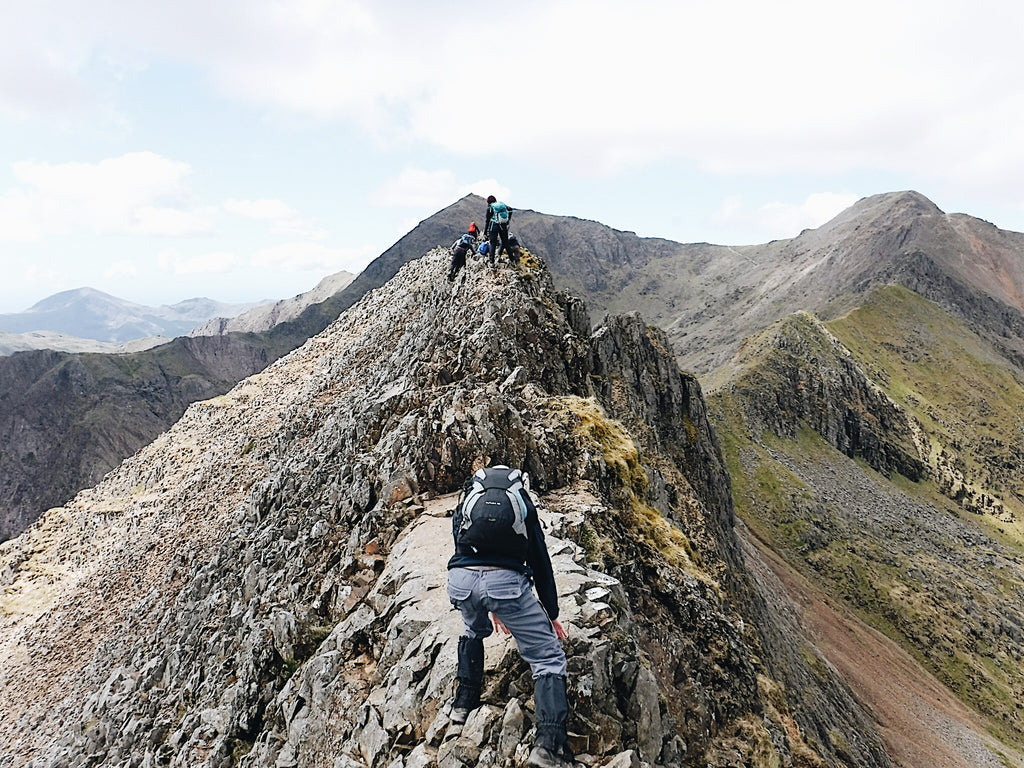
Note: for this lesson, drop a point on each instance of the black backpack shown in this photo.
(462, 246)
(491, 518)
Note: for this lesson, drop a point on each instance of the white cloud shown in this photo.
(42, 54)
(486, 187)
(282, 218)
(137, 193)
(416, 188)
(780, 219)
(310, 257)
(121, 268)
(261, 209)
(927, 90)
(217, 262)
(596, 86)
(20, 219)
(430, 190)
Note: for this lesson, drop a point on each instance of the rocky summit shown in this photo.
(263, 585)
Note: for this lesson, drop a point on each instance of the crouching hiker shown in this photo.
(500, 555)
(460, 249)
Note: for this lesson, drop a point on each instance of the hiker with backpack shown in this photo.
(499, 215)
(460, 249)
(500, 554)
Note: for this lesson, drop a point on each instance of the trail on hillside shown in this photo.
(922, 723)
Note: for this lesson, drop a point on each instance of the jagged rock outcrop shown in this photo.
(262, 584)
(797, 374)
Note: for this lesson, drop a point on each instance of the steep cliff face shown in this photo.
(66, 420)
(262, 585)
(798, 375)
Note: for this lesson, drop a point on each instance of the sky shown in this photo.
(242, 150)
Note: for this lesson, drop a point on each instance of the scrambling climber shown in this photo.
(500, 555)
(496, 226)
(460, 249)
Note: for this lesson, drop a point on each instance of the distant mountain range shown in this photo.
(708, 298)
(266, 316)
(88, 314)
(61, 342)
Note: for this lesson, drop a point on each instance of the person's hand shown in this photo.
(498, 626)
(560, 632)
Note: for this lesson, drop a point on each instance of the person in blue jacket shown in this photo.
(500, 554)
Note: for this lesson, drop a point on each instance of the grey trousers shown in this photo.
(509, 596)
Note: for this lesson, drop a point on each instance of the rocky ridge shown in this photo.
(809, 379)
(708, 298)
(261, 584)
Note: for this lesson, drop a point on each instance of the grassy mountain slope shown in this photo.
(966, 396)
(876, 455)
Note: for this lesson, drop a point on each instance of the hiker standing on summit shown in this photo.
(496, 226)
(500, 554)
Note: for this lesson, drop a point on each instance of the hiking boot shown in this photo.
(470, 676)
(465, 702)
(542, 757)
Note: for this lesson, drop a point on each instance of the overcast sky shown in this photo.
(161, 150)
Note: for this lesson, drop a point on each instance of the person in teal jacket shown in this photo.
(498, 217)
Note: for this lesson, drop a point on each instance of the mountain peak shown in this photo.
(87, 313)
(884, 210)
(64, 299)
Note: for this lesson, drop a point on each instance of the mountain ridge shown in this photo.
(267, 315)
(920, 535)
(705, 296)
(296, 489)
